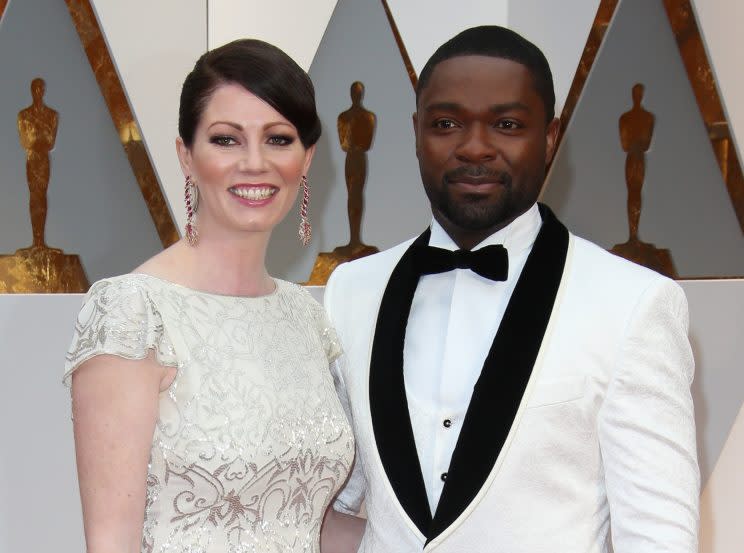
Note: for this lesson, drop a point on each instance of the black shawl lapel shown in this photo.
(498, 392)
(387, 393)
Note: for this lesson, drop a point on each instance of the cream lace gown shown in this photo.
(252, 442)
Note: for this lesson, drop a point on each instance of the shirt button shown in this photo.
(444, 477)
(447, 423)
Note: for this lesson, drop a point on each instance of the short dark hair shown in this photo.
(262, 69)
(497, 42)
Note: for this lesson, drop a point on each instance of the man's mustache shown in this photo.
(477, 172)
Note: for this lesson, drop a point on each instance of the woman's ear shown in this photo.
(184, 157)
(309, 153)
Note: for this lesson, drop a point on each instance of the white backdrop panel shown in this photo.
(716, 323)
(39, 501)
(544, 22)
(295, 26)
(721, 503)
(426, 24)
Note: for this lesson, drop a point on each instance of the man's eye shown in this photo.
(280, 140)
(444, 124)
(223, 140)
(508, 124)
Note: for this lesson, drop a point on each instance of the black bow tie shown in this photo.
(490, 262)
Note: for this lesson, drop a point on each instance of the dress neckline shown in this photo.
(273, 293)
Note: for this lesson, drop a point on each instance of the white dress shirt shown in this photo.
(454, 318)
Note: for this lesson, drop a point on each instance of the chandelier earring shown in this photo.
(306, 230)
(191, 195)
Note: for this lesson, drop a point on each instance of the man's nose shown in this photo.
(477, 145)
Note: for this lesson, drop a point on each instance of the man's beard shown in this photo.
(479, 213)
(474, 216)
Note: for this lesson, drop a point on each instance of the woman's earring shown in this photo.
(191, 195)
(306, 230)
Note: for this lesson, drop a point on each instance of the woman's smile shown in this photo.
(254, 195)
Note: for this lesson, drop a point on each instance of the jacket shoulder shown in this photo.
(610, 272)
(370, 268)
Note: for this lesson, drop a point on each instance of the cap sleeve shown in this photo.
(118, 317)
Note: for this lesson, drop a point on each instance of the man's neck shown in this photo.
(467, 239)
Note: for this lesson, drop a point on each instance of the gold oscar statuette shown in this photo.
(356, 129)
(39, 268)
(636, 129)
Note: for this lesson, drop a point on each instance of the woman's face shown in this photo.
(247, 161)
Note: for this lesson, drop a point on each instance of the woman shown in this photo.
(204, 410)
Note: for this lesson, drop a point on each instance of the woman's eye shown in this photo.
(223, 140)
(280, 140)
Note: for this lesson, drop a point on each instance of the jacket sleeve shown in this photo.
(647, 430)
(330, 294)
(351, 496)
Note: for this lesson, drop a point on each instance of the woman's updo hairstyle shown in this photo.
(262, 69)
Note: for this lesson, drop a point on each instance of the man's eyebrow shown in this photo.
(509, 106)
(444, 106)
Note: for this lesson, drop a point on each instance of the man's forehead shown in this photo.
(477, 76)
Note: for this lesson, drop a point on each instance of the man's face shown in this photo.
(482, 142)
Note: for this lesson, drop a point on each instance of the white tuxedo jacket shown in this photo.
(580, 426)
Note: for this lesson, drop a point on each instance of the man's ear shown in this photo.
(414, 119)
(551, 136)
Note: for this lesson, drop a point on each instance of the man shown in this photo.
(530, 396)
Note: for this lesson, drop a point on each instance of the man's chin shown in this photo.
(478, 218)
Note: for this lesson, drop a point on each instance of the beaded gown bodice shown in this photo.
(252, 442)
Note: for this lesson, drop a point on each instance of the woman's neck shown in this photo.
(224, 261)
(233, 266)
